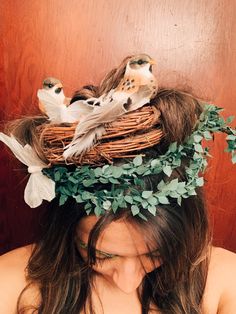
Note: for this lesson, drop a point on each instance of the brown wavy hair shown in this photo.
(56, 267)
(66, 282)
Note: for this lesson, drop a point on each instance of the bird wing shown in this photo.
(140, 98)
(92, 127)
(78, 110)
(83, 143)
(58, 112)
(51, 105)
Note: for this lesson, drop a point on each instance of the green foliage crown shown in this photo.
(112, 187)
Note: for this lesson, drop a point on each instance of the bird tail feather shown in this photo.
(83, 143)
(88, 130)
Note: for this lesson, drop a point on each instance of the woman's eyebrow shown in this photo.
(85, 246)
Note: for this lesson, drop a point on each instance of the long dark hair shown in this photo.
(65, 279)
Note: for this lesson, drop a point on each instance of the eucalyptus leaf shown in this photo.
(106, 205)
(134, 210)
(63, 198)
(152, 210)
(144, 204)
(98, 172)
(231, 137)
(104, 180)
(155, 163)
(172, 186)
(181, 190)
(57, 176)
(207, 135)
(200, 181)
(138, 198)
(173, 147)
(72, 179)
(152, 200)
(86, 195)
(198, 148)
(88, 206)
(141, 170)
(167, 170)
(197, 138)
(179, 201)
(138, 160)
(114, 181)
(142, 216)
(147, 194)
(97, 211)
(89, 182)
(129, 199)
(78, 199)
(114, 206)
(163, 200)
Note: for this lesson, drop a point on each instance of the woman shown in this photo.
(121, 262)
(138, 266)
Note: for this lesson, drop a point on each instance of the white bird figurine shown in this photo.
(135, 89)
(55, 105)
(54, 87)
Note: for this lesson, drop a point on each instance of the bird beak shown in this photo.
(152, 62)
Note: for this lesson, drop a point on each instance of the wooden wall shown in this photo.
(78, 41)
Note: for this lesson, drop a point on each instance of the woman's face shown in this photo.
(123, 257)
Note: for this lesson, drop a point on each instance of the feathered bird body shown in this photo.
(134, 90)
(53, 87)
(135, 77)
(54, 104)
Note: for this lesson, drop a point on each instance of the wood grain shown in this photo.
(79, 41)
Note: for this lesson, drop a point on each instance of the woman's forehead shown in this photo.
(120, 237)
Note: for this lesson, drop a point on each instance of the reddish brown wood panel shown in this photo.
(78, 41)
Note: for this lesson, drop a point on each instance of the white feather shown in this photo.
(59, 112)
(83, 143)
(39, 187)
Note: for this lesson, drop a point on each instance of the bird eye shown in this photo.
(140, 61)
(58, 90)
(50, 85)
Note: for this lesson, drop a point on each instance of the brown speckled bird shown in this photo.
(135, 89)
(138, 75)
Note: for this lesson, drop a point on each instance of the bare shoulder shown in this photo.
(17, 257)
(221, 280)
(223, 264)
(220, 254)
(12, 274)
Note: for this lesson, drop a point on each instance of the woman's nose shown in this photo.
(129, 274)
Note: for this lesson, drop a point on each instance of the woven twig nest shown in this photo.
(125, 137)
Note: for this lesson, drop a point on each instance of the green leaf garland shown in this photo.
(113, 187)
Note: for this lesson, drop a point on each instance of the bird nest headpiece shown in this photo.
(121, 120)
